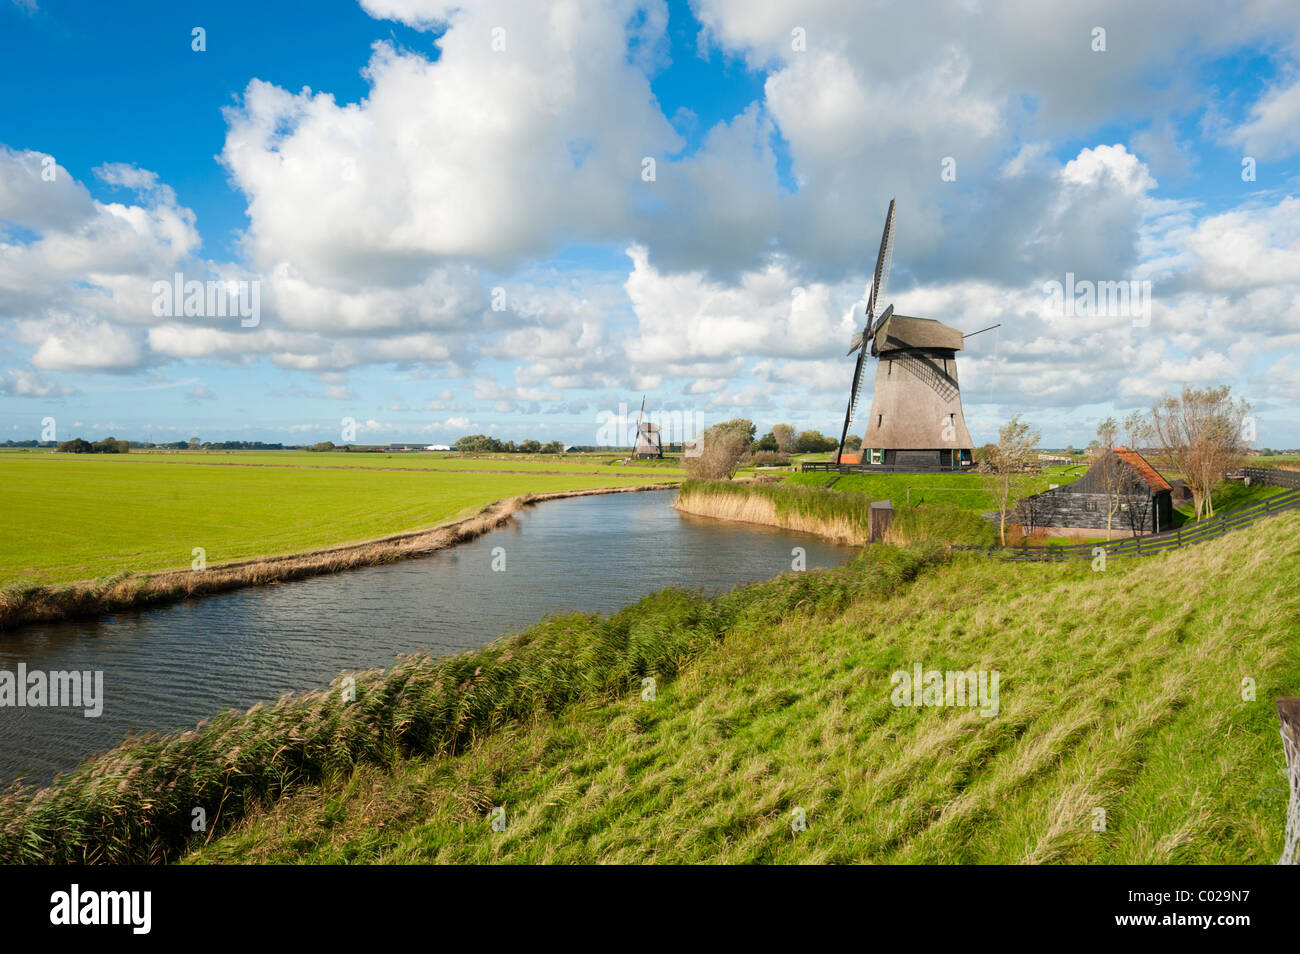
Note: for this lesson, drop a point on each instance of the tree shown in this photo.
(743, 427)
(721, 449)
(1199, 434)
(1137, 431)
(1005, 466)
(1107, 469)
(853, 443)
(530, 447)
(477, 444)
(111, 445)
(553, 447)
(322, 447)
(785, 438)
(811, 442)
(767, 442)
(193, 444)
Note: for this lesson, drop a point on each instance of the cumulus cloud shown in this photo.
(22, 383)
(382, 230)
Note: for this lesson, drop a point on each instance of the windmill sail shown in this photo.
(860, 342)
(880, 282)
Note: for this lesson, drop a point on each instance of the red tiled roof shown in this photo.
(1143, 469)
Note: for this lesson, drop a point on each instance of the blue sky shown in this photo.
(382, 169)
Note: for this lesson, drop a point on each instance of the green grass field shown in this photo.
(1108, 682)
(599, 464)
(74, 517)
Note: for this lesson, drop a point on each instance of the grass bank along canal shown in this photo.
(170, 667)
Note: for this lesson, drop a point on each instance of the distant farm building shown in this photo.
(438, 447)
(1121, 485)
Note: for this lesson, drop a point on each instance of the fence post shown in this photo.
(1179, 532)
(1288, 711)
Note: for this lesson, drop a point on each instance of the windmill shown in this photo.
(648, 442)
(879, 283)
(916, 420)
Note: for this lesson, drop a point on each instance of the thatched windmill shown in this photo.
(916, 420)
(649, 445)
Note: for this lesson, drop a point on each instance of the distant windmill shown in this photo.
(916, 419)
(648, 442)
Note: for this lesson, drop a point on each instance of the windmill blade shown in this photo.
(858, 341)
(854, 394)
(884, 259)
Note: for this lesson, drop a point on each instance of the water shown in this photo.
(169, 668)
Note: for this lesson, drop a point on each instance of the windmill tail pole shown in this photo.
(982, 330)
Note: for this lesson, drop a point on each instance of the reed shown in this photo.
(836, 515)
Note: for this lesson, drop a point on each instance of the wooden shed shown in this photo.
(1120, 485)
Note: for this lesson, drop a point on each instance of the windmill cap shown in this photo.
(903, 332)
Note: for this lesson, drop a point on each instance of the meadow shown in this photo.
(772, 702)
(77, 517)
(594, 464)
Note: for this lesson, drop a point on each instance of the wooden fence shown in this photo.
(1154, 543)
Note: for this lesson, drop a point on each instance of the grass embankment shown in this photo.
(1108, 681)
(1228, 496)
(135, 803)
(93, 534)
(770, 697)
(835, 514)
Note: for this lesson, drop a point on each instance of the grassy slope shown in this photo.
(1120, 690)
(71, 517)
(1228, 496)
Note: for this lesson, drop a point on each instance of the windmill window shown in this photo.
(1090, 506)
(879, 418)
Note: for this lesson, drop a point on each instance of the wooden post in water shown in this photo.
(1288, 711)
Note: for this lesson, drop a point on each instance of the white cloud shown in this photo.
(22, 383)
(1273, 130)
